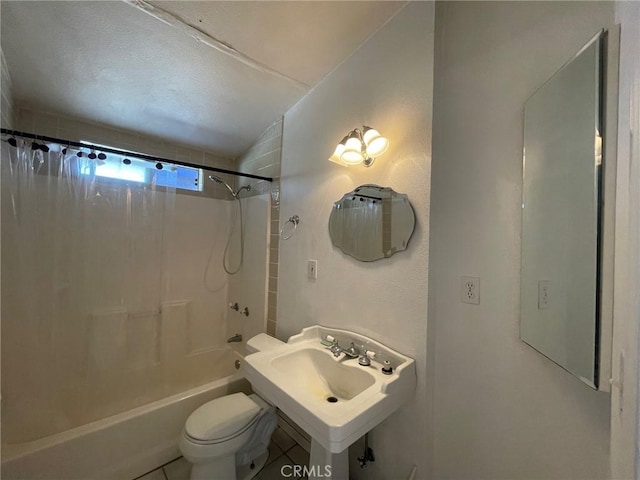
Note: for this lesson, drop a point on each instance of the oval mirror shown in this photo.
(371, 223)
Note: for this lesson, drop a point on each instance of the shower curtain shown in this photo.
(90, 323)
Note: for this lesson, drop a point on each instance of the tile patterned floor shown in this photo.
(283, 450)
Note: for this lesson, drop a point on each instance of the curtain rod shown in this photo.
(148, 158)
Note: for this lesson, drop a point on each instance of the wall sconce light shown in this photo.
(360, 147)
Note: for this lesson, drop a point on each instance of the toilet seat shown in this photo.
(222, 419)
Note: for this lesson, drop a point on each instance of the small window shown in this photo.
(121, 167)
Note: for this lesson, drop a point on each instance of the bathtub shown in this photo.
(122, 446)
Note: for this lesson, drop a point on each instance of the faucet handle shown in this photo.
(366, 357)
(329, 341)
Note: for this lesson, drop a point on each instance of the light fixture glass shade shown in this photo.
(337, 154)
(352, 154)
(375, 143)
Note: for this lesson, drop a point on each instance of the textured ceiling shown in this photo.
(114, 63)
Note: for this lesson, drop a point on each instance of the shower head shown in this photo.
(222, 182)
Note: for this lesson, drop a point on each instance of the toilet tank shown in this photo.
(262, 342)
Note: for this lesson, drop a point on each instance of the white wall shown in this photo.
(387, 84)
(501, 410)
(624, 409)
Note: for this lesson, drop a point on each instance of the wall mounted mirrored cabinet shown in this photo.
(371, 223)
(567, 158)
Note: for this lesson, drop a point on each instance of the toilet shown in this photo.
(228, 437)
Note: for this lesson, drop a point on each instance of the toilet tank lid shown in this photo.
(221, 417)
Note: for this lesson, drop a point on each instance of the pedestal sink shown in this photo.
(336, 400)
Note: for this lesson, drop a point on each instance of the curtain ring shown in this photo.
(294, 220)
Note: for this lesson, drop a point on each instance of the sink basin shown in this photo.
(335, 400)
(318, 374)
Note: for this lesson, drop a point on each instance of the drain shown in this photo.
(332, 399)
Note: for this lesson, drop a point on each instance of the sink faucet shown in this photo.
(351, 352)
(332, 343)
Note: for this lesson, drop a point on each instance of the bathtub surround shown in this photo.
(274, 251)
(499, 405)
(249, 286)
(386, 83)
(264, 158)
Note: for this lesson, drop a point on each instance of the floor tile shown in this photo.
(282, 439)
(155, 475)
(274, 452)
(298, 455)
(273, 471)
(179, 469)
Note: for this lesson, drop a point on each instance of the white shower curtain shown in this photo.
(82, 282)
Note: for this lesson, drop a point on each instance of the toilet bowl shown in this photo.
(228, 438)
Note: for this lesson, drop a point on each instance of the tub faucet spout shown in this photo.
(236, 338)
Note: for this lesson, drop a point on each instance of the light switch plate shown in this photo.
(312, 269)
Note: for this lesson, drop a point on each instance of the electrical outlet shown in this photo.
(470, 290)
(312, 269)
(543, 294)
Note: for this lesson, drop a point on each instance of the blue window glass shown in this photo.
(120, 167)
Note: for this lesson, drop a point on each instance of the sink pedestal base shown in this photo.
(322, 458)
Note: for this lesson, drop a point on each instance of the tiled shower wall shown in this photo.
(7, 108)
(263, 159)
